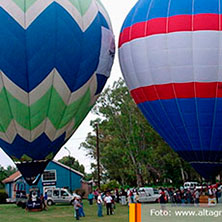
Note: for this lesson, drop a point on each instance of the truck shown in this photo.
(148, 194)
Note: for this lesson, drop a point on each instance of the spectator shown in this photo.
(81, 211)
(196, 197)
(100, 205)
(42, 202)
(108, 201)
(117, 195)
(162, 199)
(45, 200)
(189, 197)
(96, 193)
(123, 197)
(136, 197)
(76, 207)
(90, 198)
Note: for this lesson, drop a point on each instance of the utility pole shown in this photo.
(70, 175)
(98, 154)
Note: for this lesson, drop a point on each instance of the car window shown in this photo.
(55, 193)
(64, 193)
(49, 193)
(156, 191)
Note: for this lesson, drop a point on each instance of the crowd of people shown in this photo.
(101, 199)
(179, 196)
(166, 195)
(192, 196)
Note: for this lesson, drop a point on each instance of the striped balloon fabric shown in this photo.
(55, 58)
(171, 58)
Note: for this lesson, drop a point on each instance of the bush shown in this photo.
(80, 192)
(113, 184)
(3, 196)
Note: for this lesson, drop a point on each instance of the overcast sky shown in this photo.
(118, 10)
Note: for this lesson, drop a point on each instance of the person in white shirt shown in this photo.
(108, 200)
(100, 205)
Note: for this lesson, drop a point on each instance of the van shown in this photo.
(60, 195)
(148, 194)
(190, 185)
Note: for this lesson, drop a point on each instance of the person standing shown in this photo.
(162, 200)
(99, 202)
(117, 195)
(90, 198)
(45, 200)
(42, 202)
(96, 193)
(81, 210)
(108, 201)
(123, 197)
(77, 205)
(196, 197)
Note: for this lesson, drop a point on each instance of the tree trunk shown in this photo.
(139, 177)
(139, 180)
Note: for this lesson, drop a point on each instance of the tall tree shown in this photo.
(131, 151)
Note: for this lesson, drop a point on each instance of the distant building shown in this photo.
(56, 174)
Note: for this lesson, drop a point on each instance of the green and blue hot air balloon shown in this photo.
(55, 58)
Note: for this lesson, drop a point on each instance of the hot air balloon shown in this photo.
(55, 58)
(170, 53)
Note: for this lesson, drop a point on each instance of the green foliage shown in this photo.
(131, 152)
(3, 196)
(4, 173)
(113, 184)
(73, 163)
(88, 176)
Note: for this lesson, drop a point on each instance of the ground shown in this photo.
(60, 213)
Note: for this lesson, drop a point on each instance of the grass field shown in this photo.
(60, 213)
(182, 213)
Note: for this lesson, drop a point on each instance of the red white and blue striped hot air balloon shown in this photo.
(55, 58)
(171, 58)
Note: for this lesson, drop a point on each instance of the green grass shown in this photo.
(60, 213)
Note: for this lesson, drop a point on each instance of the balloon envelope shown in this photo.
(171, 58)
(55, 58)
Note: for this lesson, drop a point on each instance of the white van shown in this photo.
(148, 194)
(60, 195)
(190, 185)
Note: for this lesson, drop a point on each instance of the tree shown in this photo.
(131, 151)
(72, 163)
(4, 173)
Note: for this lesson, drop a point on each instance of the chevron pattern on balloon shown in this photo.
(44, 48)
(55, 58)
(29, 114)
(83, 12)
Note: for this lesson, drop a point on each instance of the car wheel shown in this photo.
(49, 203)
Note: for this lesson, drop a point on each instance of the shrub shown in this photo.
(110, 186)
(3, 196)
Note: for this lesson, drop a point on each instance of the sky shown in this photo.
(118, 10)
